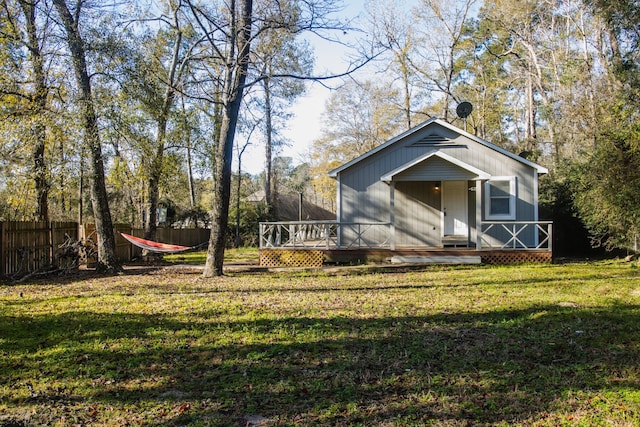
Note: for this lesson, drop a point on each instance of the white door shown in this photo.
(454, 208)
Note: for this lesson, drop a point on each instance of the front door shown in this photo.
(454, 208)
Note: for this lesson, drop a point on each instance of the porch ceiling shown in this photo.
(475, 172)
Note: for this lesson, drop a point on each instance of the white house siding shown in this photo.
(367, 199)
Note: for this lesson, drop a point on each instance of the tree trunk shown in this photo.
(221, 195)
(187, 132)
(268, 146)
(530, 132)
(153, 194)
(236, 74)
(238, 240)
(40, 176)
(192, 188)
(81, 188)
(407, 92)
(41, 173)
(62, 183)
(104, 227)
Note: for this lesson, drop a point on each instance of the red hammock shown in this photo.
(155, 246)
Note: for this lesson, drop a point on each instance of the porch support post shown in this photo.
(478, 214)
(392, 215)
(536, 240)
(535, 197)
(339, 211)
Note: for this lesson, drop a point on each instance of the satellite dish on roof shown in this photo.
(464, 109)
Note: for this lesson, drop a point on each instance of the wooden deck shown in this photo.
(315, 243)
(316, 258)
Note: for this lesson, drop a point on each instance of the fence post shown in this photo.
(52, 250)
(327, 233)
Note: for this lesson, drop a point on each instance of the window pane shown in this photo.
(500, 188)
(500, 198)
(499, 206)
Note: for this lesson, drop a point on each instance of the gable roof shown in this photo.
(540, 169)
(473, 170)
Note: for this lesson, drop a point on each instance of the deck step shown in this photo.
(455, 241)
(437, 259)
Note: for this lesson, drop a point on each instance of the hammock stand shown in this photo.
(152, 246)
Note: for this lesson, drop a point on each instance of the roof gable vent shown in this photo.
(434, 141)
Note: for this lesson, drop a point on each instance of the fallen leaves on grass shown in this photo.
(446, 345)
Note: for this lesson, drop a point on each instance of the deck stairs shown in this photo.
(436, 259)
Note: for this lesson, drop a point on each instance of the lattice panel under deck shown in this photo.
(508, 257)
(291, 258)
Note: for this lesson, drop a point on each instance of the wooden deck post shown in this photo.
(478, 215)
(392, 215)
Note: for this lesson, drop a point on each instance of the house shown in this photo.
(436, 187)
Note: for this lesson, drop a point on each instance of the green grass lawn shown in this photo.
(534, 345)
(232, 256)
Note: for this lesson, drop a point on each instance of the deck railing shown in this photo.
(493, 235)
(519, 235)
(324, 235)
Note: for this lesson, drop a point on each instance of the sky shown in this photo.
(302, 129)
(305, 126)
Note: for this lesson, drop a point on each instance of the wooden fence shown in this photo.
(87, 232)
(33, 246)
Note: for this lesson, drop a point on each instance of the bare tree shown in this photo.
(278, 51)
(172, 77)
(235, 65)
(444, 23)
(230, 33)
(393, 29)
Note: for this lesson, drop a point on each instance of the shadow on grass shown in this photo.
(497, 367)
